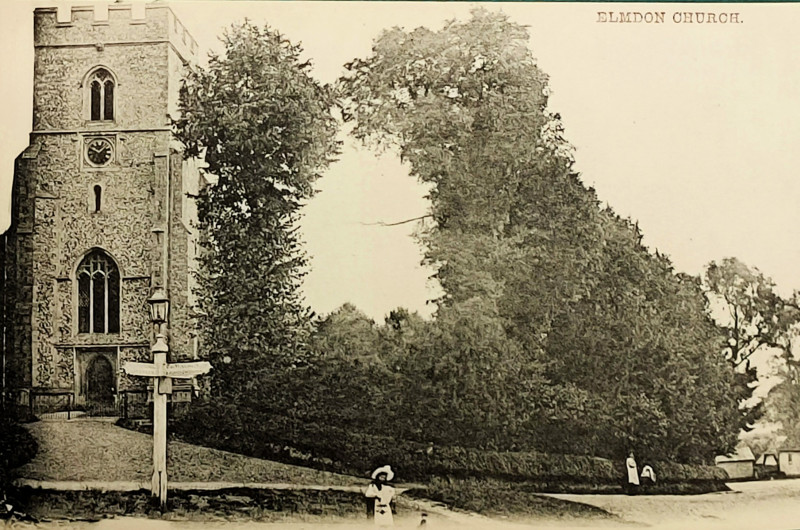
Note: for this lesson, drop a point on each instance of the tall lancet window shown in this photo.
(101, 94)
(98, 294)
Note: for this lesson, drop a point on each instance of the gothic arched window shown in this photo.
(101, 95)
(98, 294)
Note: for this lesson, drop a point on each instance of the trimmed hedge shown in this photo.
(337, 449)
(359, 453)
(17, 448)
(493, 497)
(673, 473)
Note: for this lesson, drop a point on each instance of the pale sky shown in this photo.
(693, 130)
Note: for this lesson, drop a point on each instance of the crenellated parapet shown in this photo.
(105, 24)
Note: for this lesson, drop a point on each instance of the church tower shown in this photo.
(102, 214)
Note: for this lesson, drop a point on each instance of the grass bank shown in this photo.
(490, 498)
(237, 504)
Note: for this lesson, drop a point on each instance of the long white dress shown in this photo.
(383, 496)
(633, 472)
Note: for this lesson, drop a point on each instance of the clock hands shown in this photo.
(98, 151)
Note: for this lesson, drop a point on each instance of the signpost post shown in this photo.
(162, 373)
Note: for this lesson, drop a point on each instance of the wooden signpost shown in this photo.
(163, 373)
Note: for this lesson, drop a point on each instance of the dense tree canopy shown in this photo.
(558, 331)
(264, 128)
(607, 335)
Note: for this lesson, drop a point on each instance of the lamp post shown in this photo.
(162, 374)
(159, 309)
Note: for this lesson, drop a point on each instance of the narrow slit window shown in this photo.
(98, 198)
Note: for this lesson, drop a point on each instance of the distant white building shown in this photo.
(739, 465)
(789, 462)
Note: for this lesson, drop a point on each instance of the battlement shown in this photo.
(112, 23)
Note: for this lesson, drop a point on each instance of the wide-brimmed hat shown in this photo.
(384, 469)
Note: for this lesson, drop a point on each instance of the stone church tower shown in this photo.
(102, 214)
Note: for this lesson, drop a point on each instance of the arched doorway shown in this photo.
(100, 382)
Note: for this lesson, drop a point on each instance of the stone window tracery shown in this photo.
(101, 95)
(98, 294)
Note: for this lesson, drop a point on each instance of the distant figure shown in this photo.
(382, 495)
(424, 520)
(633, 474)
(648, 476)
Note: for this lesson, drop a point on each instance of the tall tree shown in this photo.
(466, 106)
(745, 305)
(754, 318)
(265, 130)
(571, 289)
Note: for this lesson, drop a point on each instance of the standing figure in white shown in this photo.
(383, 494)
(633, 474)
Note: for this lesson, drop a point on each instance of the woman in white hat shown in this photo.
(383, 494)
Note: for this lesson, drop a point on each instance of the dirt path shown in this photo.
(751, 505)
(763, 506)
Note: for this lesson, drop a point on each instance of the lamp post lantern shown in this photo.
(159, 306)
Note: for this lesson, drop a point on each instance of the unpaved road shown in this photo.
(764, 505)
(773, 505)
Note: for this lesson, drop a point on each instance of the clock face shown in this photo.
(98, 151)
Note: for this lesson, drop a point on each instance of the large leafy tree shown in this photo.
(568, 298)
(647, 351)
(745, 305)
(466, 107)
(755, 319)
(264, 128)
